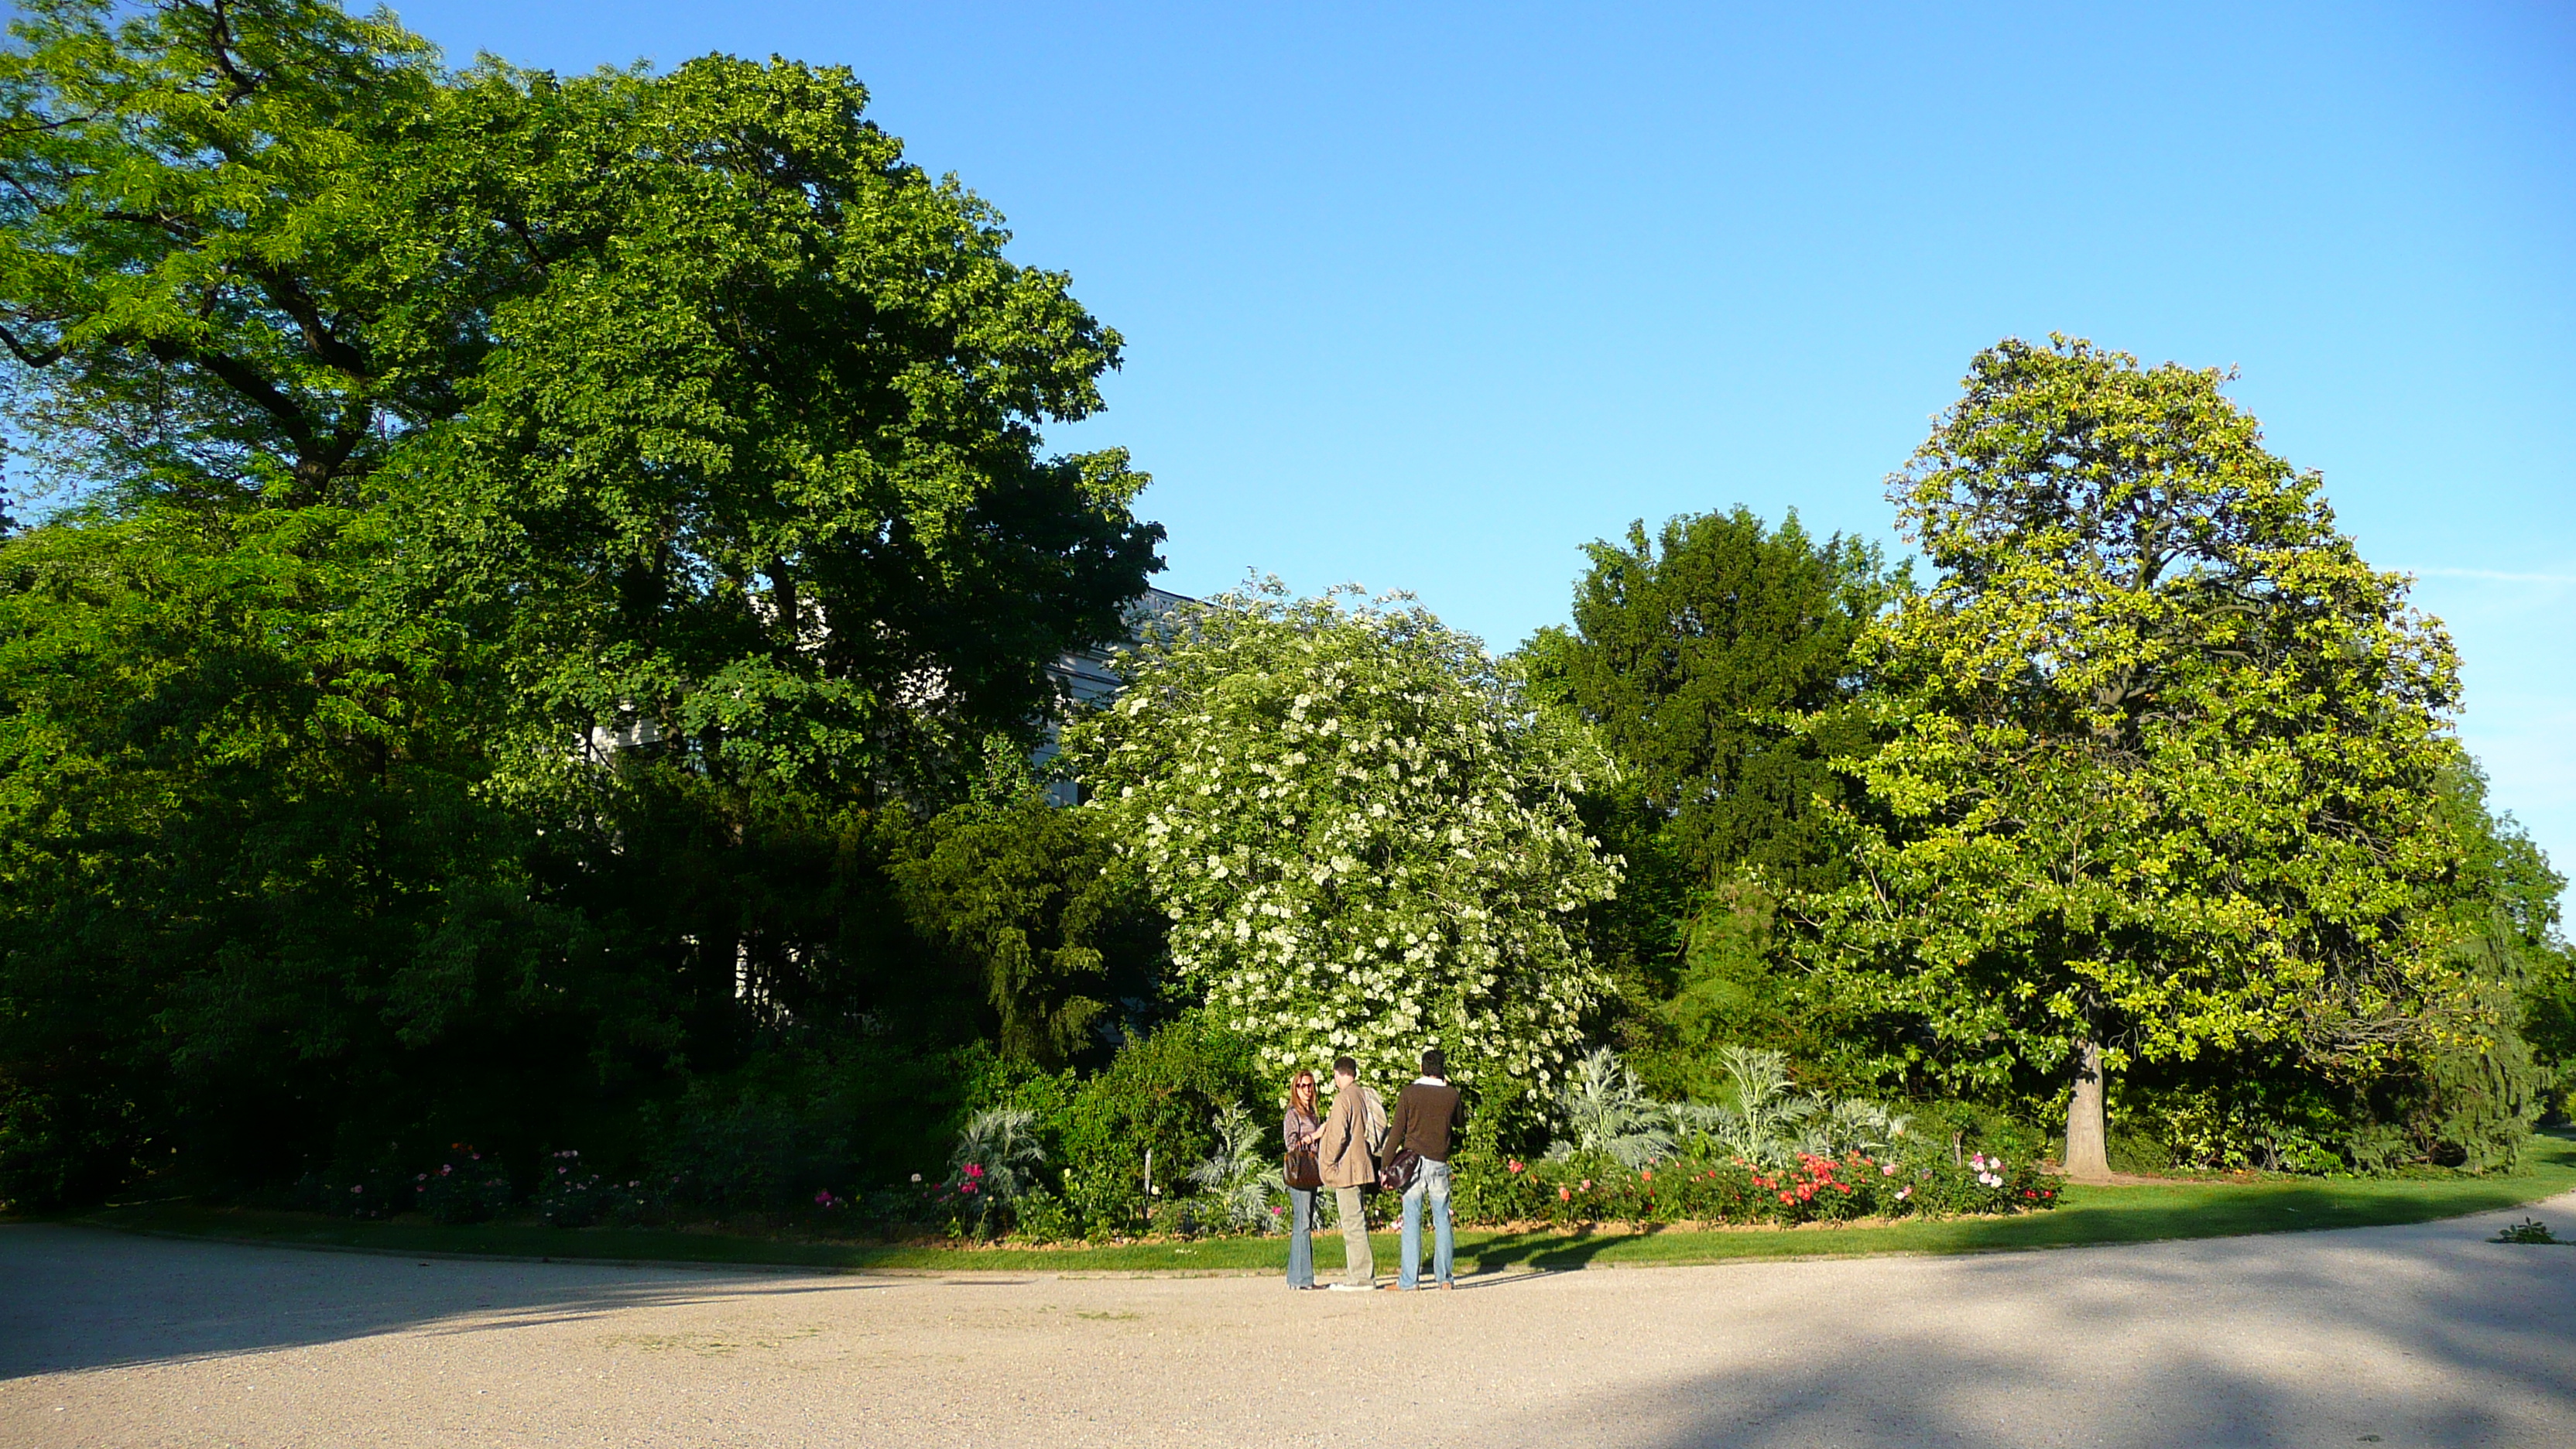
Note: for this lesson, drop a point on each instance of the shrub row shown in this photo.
(1700, 1189)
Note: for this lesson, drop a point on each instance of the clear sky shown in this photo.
(1425, 296)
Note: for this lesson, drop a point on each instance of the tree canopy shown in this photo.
(507, 534)
(2163, 757)
(1707, 657)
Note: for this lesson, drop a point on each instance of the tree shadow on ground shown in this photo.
(2396, 1336)
(83, 1298)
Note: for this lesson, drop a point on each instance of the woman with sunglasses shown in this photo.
(1299, 1131)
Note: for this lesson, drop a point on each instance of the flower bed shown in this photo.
(1570, 1192)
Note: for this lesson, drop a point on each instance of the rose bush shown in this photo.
(467, 1187)
(1699, 1189)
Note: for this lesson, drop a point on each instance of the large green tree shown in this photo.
(543, 516)
(1694, 653)
(2163, 759)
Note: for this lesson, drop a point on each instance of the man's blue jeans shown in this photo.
(1432, 1185)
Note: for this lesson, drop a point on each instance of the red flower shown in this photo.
(1565, 1194)
(1646, 1175)
(1516, 1166)
(1784, 1197)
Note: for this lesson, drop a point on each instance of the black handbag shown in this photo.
(1400, 1170)
(1302, 1171)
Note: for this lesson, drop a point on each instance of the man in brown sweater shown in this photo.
(1428, 1116)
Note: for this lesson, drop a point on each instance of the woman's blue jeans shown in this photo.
(1430, 1185)
(1301, 1239)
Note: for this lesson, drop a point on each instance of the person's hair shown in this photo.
(1434, 1064)
(1302, 1076)
(1346, 1067)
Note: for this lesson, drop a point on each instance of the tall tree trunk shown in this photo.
(2086, 1159)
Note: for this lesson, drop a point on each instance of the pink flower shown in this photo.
(973, 1171)
(1903, 1193)
(1587, 1184)
(1515, 1166)
(965, 1187)
(1887, 1169)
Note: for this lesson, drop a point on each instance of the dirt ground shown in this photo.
(2422, 1335)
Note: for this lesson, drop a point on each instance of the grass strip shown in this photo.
(2131, 1214)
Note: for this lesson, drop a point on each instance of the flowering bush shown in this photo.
(1597, 1189)
(466, 1188)
(568, 1197)
(1365, 841)
(344, 1194)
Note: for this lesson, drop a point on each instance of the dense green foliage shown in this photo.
(1714, 660)
(524, 553)
(1035, 901)
(526, 603)
(2154, 763)
(2163, 759)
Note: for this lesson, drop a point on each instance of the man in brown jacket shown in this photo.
(1348, 1159)
(1427, 1118)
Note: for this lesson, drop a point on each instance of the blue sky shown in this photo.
(1424, 297)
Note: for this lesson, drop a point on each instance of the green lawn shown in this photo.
(2186, 1209)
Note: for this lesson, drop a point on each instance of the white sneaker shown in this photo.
(1351, 1287)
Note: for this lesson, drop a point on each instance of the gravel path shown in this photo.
(2396, 1336)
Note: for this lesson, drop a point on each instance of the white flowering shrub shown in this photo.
(1365, 841)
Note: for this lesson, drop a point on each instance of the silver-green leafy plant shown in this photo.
(1606, 1111)
(1854, 1124)
(1238, 1177)
(1772, 1122)
(996, 1159)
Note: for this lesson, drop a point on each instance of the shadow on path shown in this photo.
(2406, 1336)
(82, 1298)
